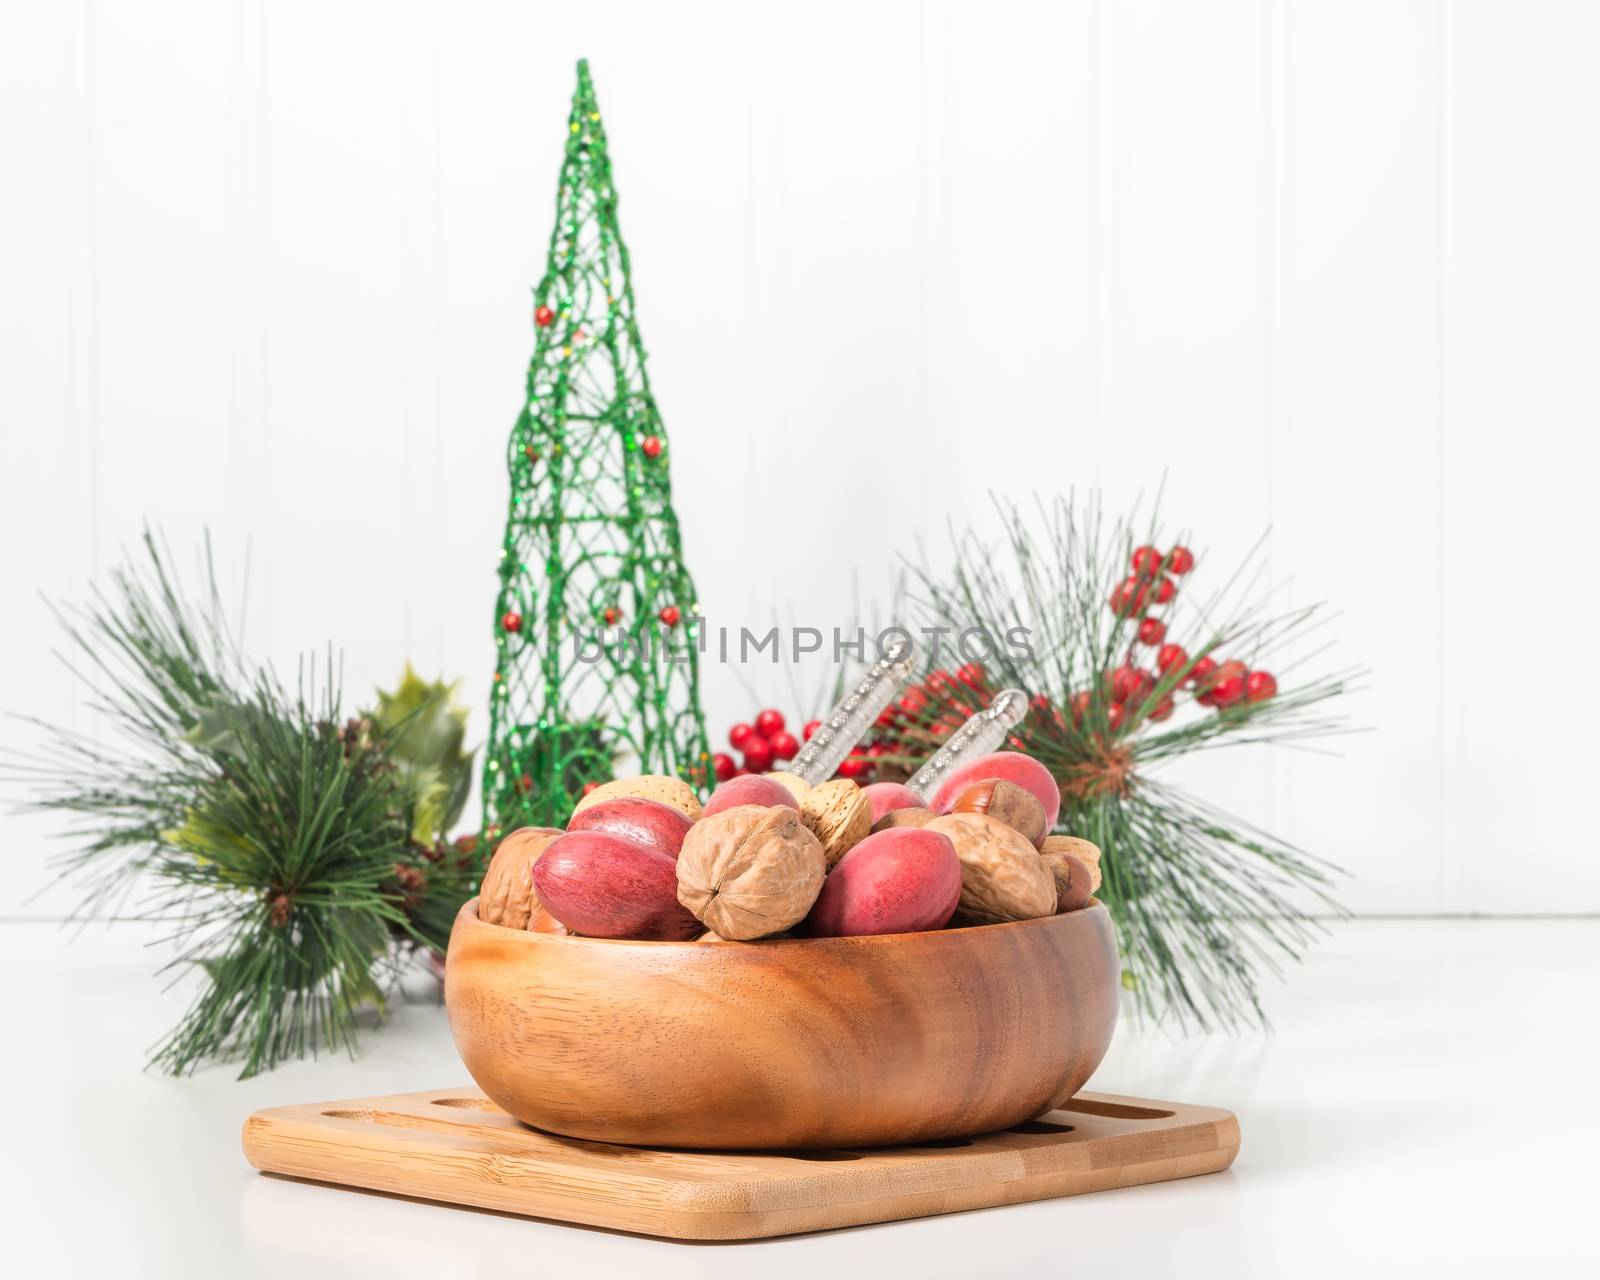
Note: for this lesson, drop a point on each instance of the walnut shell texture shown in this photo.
(507, 896)
(1082, 850)
(750, 871)
(1003, 878)
(652, 786)
(839, 814)
(904, 818)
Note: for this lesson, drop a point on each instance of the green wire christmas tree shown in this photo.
(598, 656)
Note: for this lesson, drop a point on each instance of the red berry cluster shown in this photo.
(1150, 583)
(763, 744)
(1222, 685)
(1215, 684)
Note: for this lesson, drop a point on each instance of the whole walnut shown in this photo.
(750, 871)
(507, 896)
(1003, 878)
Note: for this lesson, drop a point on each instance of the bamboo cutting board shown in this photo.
(456, 1146)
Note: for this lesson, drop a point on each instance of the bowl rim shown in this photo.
(469, 914)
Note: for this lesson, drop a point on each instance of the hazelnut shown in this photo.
(839, 814)
(1072, 881)
(506, 895)
(651, 786)
(1003, 878)
(1015, 806)
(1082, 850)
(750, 871)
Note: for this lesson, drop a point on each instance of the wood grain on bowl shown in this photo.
(826, 1042)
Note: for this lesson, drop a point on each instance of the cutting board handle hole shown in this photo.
(468, 1104)
(1039, 1126)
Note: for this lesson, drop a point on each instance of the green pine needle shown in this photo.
(275, 839)
(1202, 901)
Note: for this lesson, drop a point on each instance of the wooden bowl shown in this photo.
(822, 1042)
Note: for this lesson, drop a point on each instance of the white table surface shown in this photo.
(1427, 1098)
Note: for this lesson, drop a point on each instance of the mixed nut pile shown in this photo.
(770, 855)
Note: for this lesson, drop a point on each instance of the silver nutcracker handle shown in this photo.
(982, 733)
(847, 723)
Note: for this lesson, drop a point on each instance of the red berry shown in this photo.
(1127, 681)
(1260, 686)
(944, 726)
(544, 317)
(886, 717)
(1200, 674)
(1170, 658)
(938, 681)
(1163, 709)
(1227, 685)
(1128, 597)
(670, 615)
(1080, 706)
(590, 787)
(525, 784)
(1227, 691)
(1114, 715)
(511, 620)
(739, 735)
(1180, 560)
(784, 745)
(1146, 561)
(913, 702)
(757, 754)
(651, 446)
(854, 766)
(971, 674)
(769, 722)
(811, 727)
(1166, 588)
(611, 615)
(1152, 631)
(723, 766)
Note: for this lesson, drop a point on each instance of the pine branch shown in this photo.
(1202, 901)
(275, 839)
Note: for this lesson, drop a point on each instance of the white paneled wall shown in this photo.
(1328, 267)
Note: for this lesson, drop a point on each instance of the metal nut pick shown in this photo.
(981, 734)
(845, 725)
